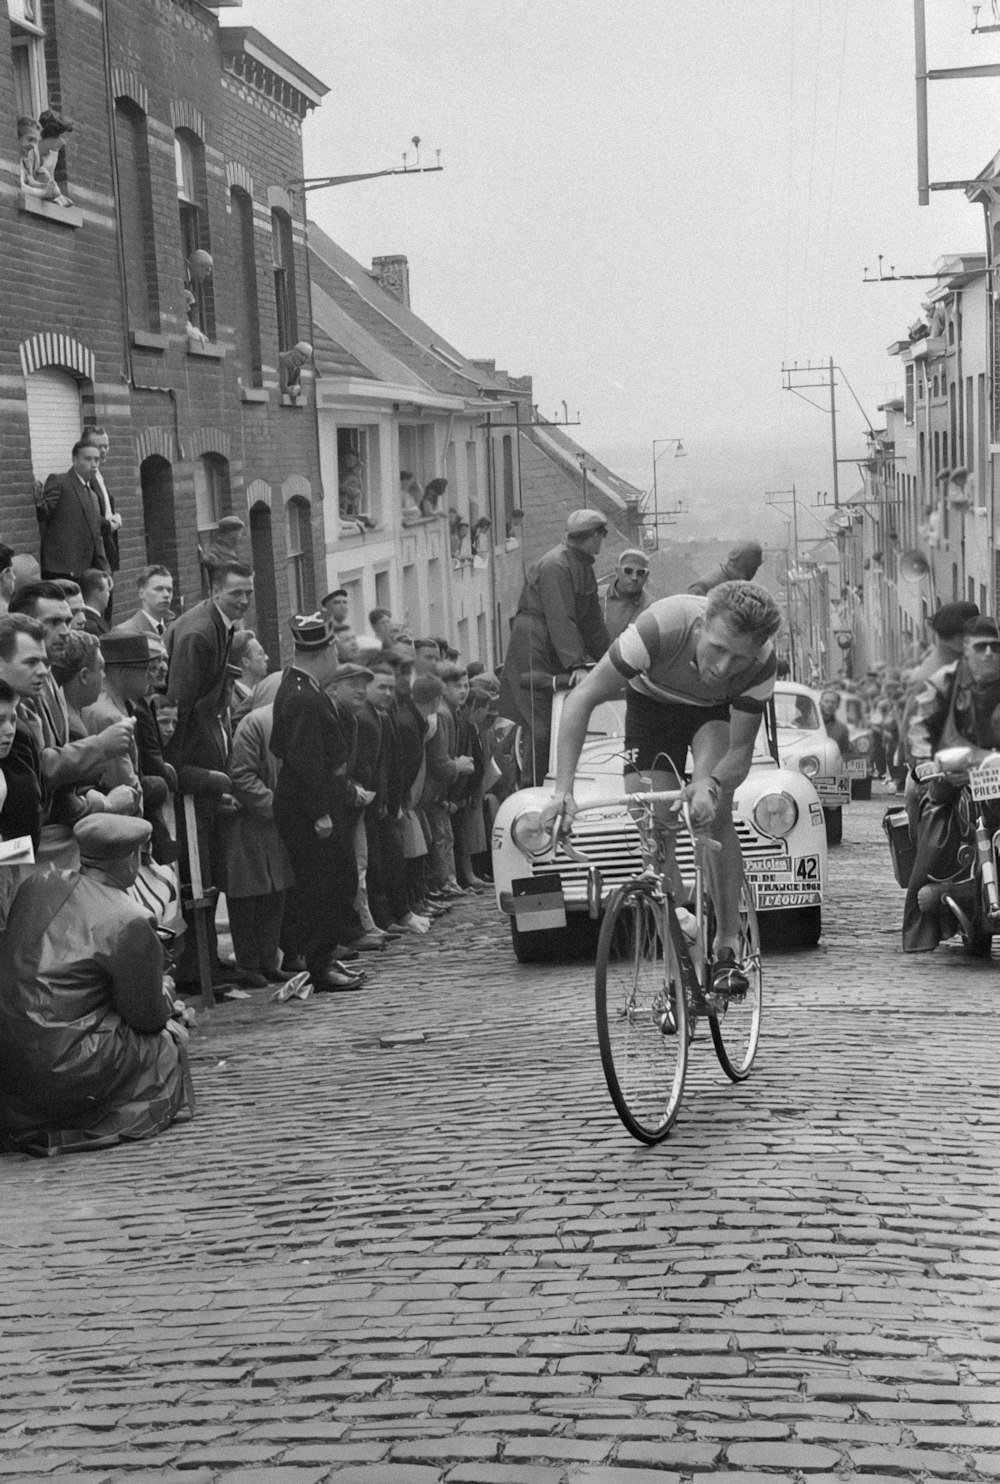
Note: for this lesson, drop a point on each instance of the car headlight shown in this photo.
(775, 814)
(809, 765)
(531, 837)
(862, 745)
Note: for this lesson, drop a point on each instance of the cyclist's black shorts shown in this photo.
(653, 728)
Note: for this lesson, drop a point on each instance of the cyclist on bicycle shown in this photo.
(698, 673)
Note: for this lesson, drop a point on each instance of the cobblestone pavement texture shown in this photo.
(407, 1241)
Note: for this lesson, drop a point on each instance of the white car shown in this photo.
(779, 820)
(804, 744)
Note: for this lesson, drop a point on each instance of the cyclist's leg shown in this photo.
(725, 866)
(653, 740)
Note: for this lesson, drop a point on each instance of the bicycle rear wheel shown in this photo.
(736, 1029)
(641, 1012)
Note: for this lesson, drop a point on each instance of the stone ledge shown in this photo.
(148, 340)
(254, 394)
(64, 216)
(206, 351)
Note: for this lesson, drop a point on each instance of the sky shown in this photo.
(650, 206)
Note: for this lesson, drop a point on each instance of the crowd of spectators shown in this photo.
(153, 770)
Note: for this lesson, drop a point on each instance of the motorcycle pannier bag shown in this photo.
(901, 847)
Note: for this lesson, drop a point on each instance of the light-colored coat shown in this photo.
(257, 862)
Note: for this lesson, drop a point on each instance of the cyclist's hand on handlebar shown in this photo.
(558, 814)
(925, 770)
(702, 799)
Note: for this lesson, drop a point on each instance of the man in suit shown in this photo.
(316, 804)
(96, 437)
(71, 519)
(198, 652)
(95, 586)
(156, 594)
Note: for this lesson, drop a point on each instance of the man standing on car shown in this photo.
(558, 630)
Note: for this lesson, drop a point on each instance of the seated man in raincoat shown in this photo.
(91, 1049)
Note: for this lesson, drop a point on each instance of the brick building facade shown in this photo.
(186, 143)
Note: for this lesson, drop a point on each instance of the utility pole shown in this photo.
(777, 499)
(791, 383)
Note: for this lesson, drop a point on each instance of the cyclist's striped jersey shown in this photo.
(656, 655)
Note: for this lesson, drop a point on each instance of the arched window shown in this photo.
(192, 203)
(55, 418)
(243, 255)
(284, 278)
(156, 479)
(211, 492)
(301, 577)
(135, 203)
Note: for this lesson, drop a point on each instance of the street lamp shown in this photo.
(668, 516)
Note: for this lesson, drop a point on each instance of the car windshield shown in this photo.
(798, 711)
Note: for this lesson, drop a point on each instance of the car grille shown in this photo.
(615, 852)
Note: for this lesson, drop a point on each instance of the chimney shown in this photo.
(393, 275)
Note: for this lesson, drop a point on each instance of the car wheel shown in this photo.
(861, 788)
(834, 819)
(799, 928)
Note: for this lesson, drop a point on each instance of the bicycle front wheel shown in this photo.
(736, 1029)
(641, 1012)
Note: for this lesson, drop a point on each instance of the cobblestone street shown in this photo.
(407, 1240)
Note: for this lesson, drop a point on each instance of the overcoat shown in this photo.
(84, 1056)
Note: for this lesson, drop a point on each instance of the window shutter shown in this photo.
(55, 420)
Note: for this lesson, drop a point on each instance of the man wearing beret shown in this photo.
(90, 1051)
(741, 565)
(558, 629)
(316, 803)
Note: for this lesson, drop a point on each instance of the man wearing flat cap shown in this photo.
(558, 630)
(316, 803)
(90, 1053)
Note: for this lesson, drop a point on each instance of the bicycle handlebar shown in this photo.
(658, 796)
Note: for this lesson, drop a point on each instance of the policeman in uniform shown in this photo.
(316, 805)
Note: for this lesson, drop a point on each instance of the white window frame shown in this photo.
(28, 36)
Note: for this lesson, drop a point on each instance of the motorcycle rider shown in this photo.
(958, 706)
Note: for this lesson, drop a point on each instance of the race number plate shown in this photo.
(857, 767)
(833, 791)
(795, 884)
(984, 783)
(538, 902)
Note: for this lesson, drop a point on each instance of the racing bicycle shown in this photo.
(653, 979)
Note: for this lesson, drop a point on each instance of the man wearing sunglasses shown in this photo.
(626, 595)
(959, 705)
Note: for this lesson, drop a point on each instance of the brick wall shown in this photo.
(156, 397)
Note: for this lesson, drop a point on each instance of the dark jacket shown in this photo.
(198, 647)
(72, 527)
(411, 729)
(558, 627)
(84, 1054)
(316, 749)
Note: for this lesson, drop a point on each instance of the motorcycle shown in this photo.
(970, 896)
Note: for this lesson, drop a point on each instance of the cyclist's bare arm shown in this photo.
(603, 683)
